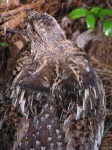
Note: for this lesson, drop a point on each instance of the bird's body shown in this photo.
(53, 99)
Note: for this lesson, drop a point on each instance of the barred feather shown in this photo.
(53, 99)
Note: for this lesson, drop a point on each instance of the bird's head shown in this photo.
(43, 30)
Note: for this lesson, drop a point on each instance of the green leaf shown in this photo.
(90, 21)
(101, 17)
(107, 28)
(4, 44)
(78, 12)
(95, 10)
(105, 12)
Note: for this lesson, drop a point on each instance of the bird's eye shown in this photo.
(32, 27)
(33, 30)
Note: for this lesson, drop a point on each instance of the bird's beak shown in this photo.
(30, 13)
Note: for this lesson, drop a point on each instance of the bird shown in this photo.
(51, 99)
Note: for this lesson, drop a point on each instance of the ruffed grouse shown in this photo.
(52, 98)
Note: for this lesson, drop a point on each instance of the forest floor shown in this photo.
(97, 47)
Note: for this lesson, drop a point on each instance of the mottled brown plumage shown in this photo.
(52, 100)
